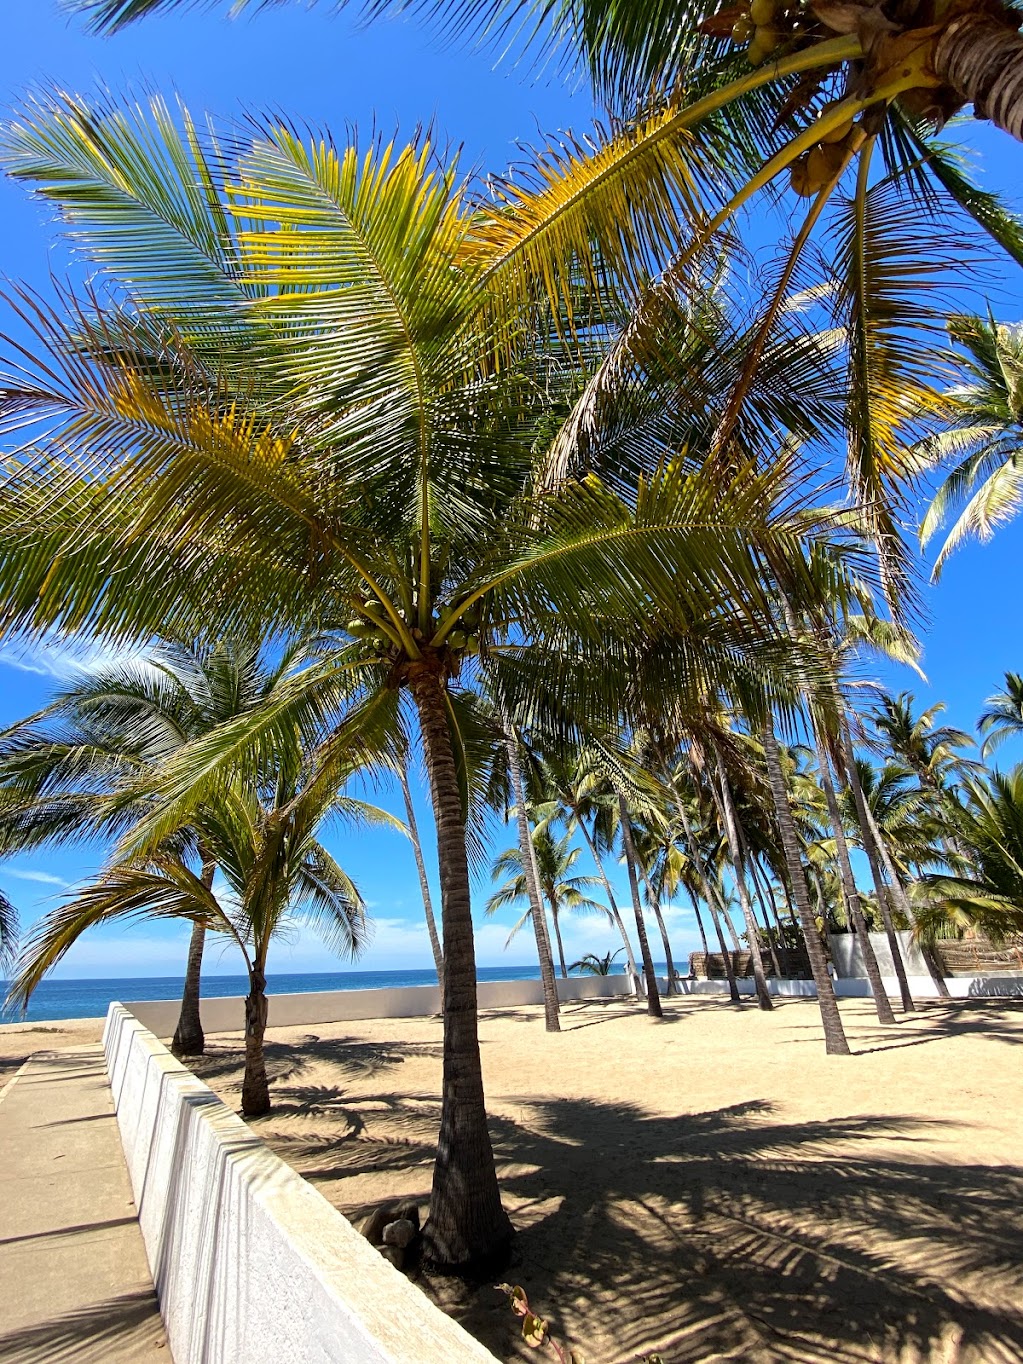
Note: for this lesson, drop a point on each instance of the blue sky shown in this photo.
(323, 69)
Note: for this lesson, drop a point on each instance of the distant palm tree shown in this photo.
(264, 842)
(983, 433)
(8, 933)
(929, 750)
(76, 769)
(562, 891)
(988, 897)
(1003, 717)
(592, 965)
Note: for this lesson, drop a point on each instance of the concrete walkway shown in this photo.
(74, 1282)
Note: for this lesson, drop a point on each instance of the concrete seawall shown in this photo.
(251, 1265)
(340, 1006)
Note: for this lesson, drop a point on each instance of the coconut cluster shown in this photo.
(816, 167)
(764, 26)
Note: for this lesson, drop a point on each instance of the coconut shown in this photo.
(763, 12)
(742, 29)
(765, 40)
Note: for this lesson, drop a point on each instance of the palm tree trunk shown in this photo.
(980, 54)
(655, 905)
(835, 1041)
(612, 903)
(561, 948)
(538, 915)
(708, 895)
(850, 894)
(754, 881)
(871, 849)
(898, 892)
(726, 914)
(255, 1088)
(695, 902)
(467, 1225)
(424, 883)
(189, 1039)
(723, 793)
(653, 997)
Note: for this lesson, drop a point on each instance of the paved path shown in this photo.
(74, 1282)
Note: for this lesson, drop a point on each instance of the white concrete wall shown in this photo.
(251, 1264)
(921, 987)
(847, 954)
(340, 1006)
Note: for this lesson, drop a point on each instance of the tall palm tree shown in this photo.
(838, 108)
(76, 769)
(1003, 717)
(555, 859)
(263, 838)
(989, 894)
(928, 749)
(320, 407)
(981, 433)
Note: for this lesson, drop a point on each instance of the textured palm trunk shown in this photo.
(727, 806)
(981, 55)
(835, 1042)
(653, 995)
(871, 850)
(424, 883)
(694, 901)
(467, 1227)
(708, 895)
(255, 1087)
(612, 902)
(850, 894)
(189, 1039)
(898, 892)
(762, 902)
(655, 905)
(561, 946)
(538, 915)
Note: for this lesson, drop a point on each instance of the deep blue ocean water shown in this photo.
(55, 999)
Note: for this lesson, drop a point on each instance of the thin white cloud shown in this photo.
(44, 878)
(64, 659)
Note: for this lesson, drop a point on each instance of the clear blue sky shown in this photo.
(325, 70)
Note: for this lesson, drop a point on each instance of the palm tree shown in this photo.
(929, 750)
(562, 891)
(592, 965)
(75, 770)
(1003, 718)
(263, 839)
(982, 433)
(424, 881)
(989, 896)
(8, 933)
(370, 478)
(838, 105)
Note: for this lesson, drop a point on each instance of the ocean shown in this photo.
(54, 999)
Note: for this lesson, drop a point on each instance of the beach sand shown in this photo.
(712, 1187)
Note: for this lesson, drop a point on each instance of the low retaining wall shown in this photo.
(251, 1264)
(847, 954)
(855, 987)
(340, 1006)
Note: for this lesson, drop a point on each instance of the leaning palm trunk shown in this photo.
(723, 795)
(871, 850)
(694, 901)
(538, 915)
(850, 894)
(189, 1039)
(612, 903)
(561, 947)
(255, 1088)
(653, 997)
(835, 1042)
(655, 904)
(708, 895)
(424, 883)
(902, 899)
(981, 56)
(467, 1224)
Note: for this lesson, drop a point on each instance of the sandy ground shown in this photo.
(712, 1187)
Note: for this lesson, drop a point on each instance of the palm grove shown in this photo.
(380, 465)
